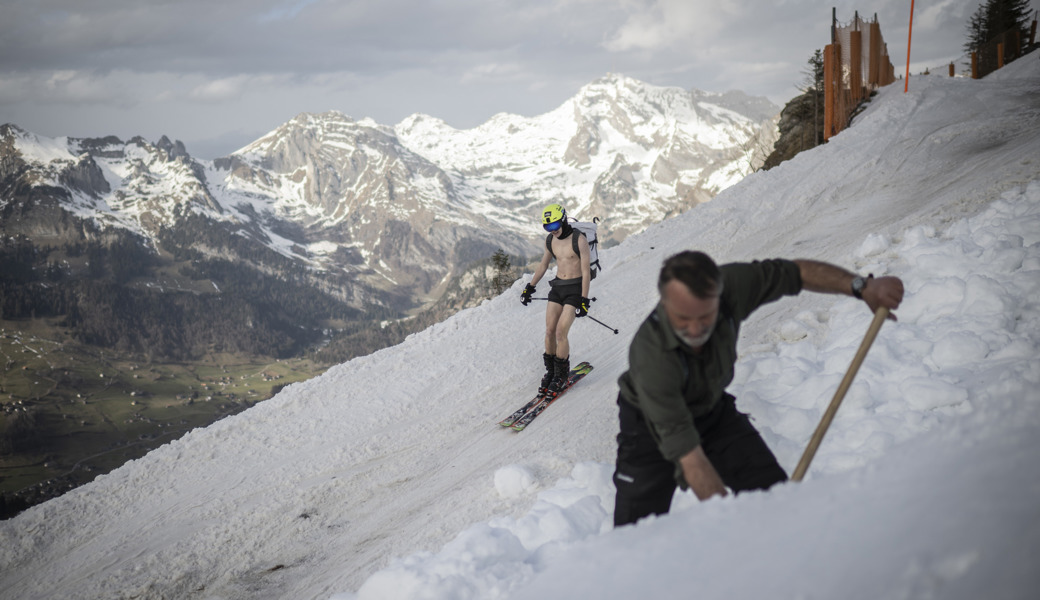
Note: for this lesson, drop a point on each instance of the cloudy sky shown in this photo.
(218, 74)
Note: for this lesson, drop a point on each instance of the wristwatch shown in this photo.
(858, 284)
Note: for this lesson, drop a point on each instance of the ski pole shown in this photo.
(603, 324)
(592, 299)
(593, 318)
(828, 416)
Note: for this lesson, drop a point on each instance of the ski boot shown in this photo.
(562, 369)
(549, 361)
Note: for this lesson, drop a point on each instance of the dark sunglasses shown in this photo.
(553, 226)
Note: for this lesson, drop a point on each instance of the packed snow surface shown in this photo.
(387, 477)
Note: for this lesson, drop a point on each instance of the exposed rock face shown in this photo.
(801, 128)
(85, 176)
(356, 186)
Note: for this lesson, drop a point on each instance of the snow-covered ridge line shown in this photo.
(621, 150)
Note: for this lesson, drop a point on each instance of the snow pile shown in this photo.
(387, 477)
(491, 559)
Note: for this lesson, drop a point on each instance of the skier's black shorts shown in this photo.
(645, 480)
(565, 291)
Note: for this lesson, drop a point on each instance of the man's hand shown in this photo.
(883, 291)
(583, 307)
(701, 475)
(525, 296)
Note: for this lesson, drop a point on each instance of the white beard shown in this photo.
(696, 342)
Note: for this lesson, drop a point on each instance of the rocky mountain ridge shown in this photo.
(387, 216)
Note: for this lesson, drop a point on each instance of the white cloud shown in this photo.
(663, 24)
(77, 86)
(233, 88)
(219, 90)
(497, 72)
(939, 15)
(64, 86)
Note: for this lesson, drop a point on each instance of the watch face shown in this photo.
(857, 286)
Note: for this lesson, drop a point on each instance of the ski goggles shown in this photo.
(553, 226)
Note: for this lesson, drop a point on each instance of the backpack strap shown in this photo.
(574, 242)
(593, 264)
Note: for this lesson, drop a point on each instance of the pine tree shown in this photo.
(503, 273)
(995, 17)
(976, 29)
(814, 85)
(1007, 15)
(814, 73)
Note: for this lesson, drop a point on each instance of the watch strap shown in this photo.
(859, 283)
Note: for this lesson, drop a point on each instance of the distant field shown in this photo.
(69, 413)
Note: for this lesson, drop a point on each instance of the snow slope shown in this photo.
(387, 478)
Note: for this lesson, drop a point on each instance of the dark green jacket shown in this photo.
(671, 386)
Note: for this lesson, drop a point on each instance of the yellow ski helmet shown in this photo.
(553, 217)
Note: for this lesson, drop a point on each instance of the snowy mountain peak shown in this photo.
(677, 149)
(34, 149)
(618, 85)
(288, 145)
(133, 185)
(328, 170)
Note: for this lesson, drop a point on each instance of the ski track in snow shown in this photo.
(387, 477)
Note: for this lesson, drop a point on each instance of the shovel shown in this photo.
(828, 416)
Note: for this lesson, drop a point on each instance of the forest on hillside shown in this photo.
(237, 297)
(104, 293)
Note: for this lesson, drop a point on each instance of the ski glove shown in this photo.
(583, 309)
(525, 296)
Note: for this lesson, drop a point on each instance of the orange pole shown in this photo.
(909, 37)
(874, 77)
(856, 68)
(828, 91)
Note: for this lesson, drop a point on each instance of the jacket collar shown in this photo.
(669, 340)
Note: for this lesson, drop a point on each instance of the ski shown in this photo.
(513, 418)
(576, 374)
(527, 413)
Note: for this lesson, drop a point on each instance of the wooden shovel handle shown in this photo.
(846, 383)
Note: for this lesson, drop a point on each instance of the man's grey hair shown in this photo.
(696, 270)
